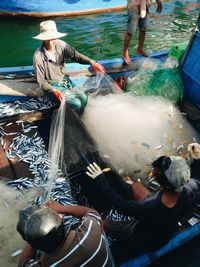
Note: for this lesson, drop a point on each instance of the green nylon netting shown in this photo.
(163, 82)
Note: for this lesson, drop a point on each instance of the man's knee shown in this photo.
(74, 103)
(129, 34)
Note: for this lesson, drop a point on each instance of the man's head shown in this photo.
(41, 227)
(48, 31)
(171, 172)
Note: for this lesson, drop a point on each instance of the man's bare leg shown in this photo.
(141, 39)
(125, 55)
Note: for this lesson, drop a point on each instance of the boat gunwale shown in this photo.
(64, 13)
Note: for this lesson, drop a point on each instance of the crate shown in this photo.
(191, 71)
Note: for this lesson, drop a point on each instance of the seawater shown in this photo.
(98, 36)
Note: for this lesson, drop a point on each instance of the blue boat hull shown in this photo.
(78, 73)
(45, 8)
(191, 68)
(179, 239)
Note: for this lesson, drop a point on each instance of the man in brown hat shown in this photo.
(49, 68)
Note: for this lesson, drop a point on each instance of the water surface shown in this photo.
(98, 36)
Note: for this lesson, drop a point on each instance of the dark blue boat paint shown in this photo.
(61, 6)
(191, 71)
(177, 241)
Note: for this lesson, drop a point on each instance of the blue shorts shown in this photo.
(135, 21)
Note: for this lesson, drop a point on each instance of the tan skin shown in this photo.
(141, 39)
(50, 45)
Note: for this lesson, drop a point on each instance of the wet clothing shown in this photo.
(75, 97)
(50, 72)
(154, 223)
(136, 4)
(137, 15)
(135, 21)
(84, 247)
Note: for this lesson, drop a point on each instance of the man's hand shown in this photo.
(74, 210)
(93, 170)
(57, 94)
(159, 8)
(98, 67)
(28, 253)
(54, 205)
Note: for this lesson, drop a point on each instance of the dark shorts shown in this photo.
(135, 21)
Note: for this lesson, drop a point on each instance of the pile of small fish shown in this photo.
(27, 145)
(30, 148)
(19, 107)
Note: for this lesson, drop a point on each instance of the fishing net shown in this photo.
(72, 148)
(143, 128)
(160, 81)
(116, 130)
(177, 50)
(100, 84)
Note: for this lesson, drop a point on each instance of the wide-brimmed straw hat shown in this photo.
(48, 31)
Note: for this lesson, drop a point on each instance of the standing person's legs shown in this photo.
(132, 24)
(142, 27)
(125, 55)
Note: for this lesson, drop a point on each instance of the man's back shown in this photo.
(135, 4)
(86, 246)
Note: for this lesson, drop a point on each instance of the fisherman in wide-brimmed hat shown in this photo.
(155, 216)
(49, 66)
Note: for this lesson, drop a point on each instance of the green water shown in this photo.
(98, 36)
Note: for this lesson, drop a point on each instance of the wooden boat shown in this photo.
(45, 8)
(190, 72)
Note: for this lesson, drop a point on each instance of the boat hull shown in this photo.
(114, 67)
(45, 8)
